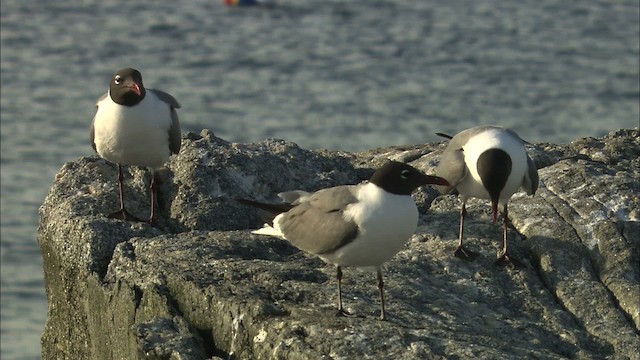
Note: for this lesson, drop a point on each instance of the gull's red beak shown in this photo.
(135, 88)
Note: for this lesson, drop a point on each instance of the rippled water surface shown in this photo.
(348, 75)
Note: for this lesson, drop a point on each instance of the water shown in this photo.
(348, 75)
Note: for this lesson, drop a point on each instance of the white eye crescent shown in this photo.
(117, 79)
(404, 174)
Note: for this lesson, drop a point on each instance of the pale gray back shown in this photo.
(316, 224)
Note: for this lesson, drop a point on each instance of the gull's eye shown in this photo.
(405, 174)
(117, 79)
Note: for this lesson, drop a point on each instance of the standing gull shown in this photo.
(487, 162)
(361, 225)
(135, 126)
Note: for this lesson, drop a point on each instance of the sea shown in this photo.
(337, 74)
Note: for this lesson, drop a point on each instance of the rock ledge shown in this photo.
(201, 286)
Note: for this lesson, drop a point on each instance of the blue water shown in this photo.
(348, 75)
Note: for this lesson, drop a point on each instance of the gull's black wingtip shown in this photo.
(446, 136)
(272, 208)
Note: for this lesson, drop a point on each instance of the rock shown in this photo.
(202, 286)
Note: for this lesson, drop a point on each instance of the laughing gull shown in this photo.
(135, 126)
(352, 225)
(487, 162)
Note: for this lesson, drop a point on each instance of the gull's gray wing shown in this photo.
(166, 97)
(452, 166)
(531, 179)
(92, 130)
(92, 135)
(317, 224)
(294, 197)
(175, 137)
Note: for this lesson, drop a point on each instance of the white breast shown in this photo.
(471, 185)
(386, 222)
(137, 135)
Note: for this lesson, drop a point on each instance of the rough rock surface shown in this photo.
(201, 286)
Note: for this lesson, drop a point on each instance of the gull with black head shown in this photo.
(360, 226)
(135, 126)
(487, 162)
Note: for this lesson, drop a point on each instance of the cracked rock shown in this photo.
(201, 286)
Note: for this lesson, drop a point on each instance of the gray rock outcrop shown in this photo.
(201, 286)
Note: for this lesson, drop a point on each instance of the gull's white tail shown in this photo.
(269, 231)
